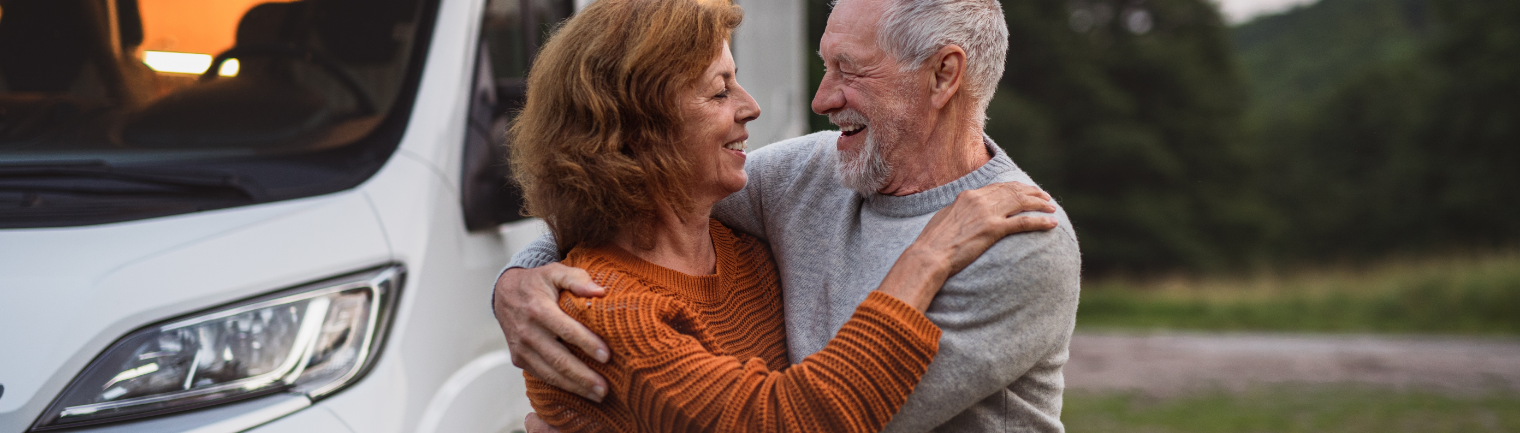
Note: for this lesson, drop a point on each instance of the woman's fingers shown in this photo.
(1028, 223)
(1029, 190)
(1032, 203)
(1010, 198)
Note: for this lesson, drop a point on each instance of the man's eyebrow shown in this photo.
(841, 58)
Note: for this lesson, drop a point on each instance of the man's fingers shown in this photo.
(574, 280)
(579, 378)
(553, 364)
(566, 328)
(534, 424)
(561, 327)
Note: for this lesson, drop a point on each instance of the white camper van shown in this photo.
(276, 215)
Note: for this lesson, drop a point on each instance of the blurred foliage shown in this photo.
(1128, 112)
(1409, 140)
(1293, 408)
(1306, 53)
(1346, 129)
(1458, 294)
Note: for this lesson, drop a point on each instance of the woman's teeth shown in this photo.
(737, 145)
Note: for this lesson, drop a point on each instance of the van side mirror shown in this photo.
(487, 193)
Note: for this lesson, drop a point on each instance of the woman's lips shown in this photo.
(737, 147)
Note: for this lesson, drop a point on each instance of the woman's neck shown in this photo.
(683, 243)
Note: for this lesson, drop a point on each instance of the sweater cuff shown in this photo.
(528, 260)
(893, 312)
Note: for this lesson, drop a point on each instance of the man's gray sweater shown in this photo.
(1006, 319)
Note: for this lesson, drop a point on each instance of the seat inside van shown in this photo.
(311, 73)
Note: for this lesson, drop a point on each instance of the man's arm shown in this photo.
(541, 251)
(1006, 316)
(525, 303)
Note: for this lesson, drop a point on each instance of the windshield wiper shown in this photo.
(100, 177)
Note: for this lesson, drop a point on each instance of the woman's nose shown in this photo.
(749, 110)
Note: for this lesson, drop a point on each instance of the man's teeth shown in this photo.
(851, 128)
(737, 145)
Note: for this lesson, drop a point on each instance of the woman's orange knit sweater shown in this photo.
(708, 353)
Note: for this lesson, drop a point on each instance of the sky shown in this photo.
(1239, 11)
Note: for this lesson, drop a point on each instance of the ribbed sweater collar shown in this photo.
(695, 288)
(937, 198)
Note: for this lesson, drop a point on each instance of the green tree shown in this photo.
(1397, 131)
(1476, 135)
(1129, 113)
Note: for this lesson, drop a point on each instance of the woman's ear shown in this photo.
(948, 67)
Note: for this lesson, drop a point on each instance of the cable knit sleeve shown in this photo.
(668, 381)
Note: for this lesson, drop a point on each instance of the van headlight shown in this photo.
(312, 339)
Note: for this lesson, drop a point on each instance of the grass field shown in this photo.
(1286, 409)
(1474, 294)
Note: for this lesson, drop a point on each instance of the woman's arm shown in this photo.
(670, 382)
(960, 233)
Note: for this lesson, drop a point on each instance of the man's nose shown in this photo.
(829, 97)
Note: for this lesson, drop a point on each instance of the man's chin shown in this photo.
(855, 174)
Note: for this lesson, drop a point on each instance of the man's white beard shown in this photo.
(866, 170)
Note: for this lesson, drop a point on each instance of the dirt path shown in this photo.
(1167, 364)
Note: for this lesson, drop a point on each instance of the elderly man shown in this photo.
(908, 83)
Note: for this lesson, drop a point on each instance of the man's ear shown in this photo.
(948, 67)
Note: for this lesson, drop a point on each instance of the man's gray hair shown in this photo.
(913, 30)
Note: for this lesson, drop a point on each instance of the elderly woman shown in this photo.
(634, 127)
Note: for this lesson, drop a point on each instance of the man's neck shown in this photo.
(950, 152)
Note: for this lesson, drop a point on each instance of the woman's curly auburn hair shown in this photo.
(595, 148)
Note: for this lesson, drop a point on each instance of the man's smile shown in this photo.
(852, 130)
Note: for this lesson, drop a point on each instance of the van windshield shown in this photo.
(156, 99)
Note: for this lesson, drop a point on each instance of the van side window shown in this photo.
(510, 35)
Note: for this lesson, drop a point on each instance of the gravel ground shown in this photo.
(1170, 364)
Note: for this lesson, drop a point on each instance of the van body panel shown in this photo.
(444, 319)
(232, 417)
(148, 271)
(435, 131)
